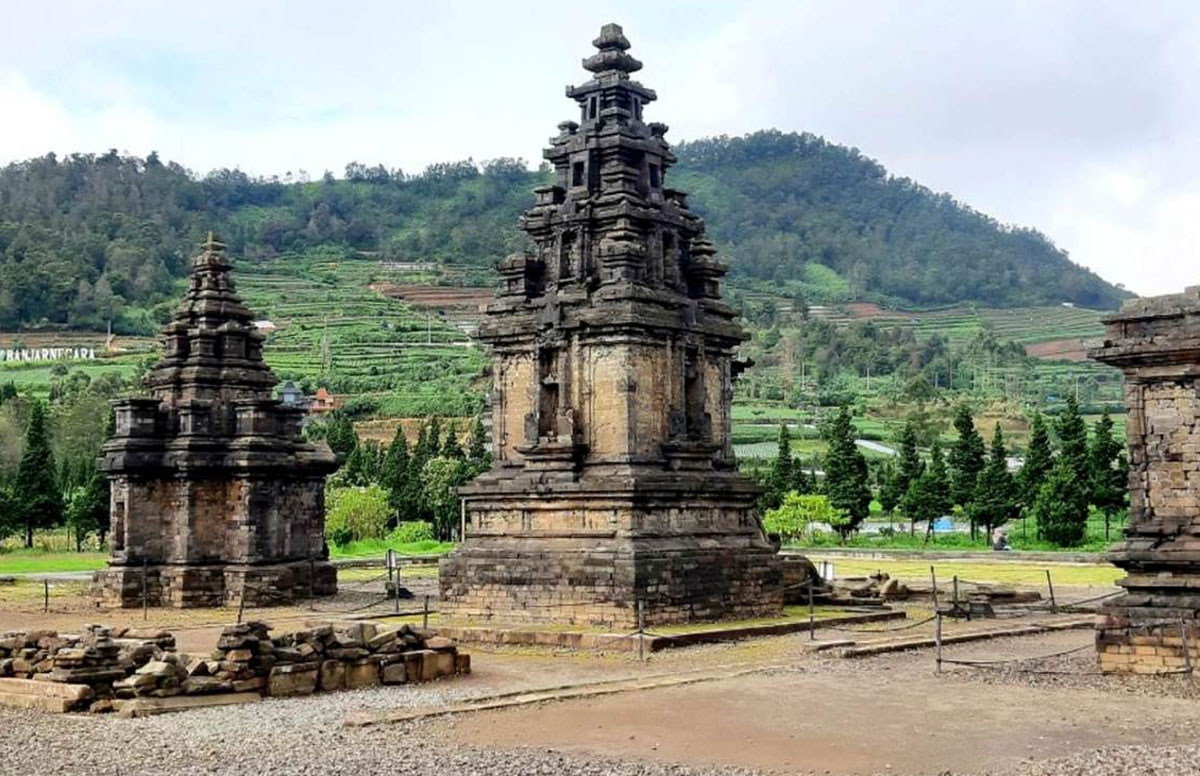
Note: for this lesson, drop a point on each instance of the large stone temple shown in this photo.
(214, 493)
(1155, 342)
(614, 484)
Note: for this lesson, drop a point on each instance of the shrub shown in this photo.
(356, 513)
(410, 532)
(795, 516)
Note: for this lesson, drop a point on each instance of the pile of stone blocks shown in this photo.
(244, 657)
(93, 662)
(325, 657)
(102, 670)
(169, 675)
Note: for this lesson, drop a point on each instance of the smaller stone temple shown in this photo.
(1156, 343)
(214, 493)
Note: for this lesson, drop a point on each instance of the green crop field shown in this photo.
(334, 329)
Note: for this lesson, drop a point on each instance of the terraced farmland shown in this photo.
(332, 328)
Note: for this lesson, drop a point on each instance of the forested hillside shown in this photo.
(88, 239)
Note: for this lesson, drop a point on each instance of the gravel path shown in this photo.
(305, 735)
(286, 736)
(1120, 761)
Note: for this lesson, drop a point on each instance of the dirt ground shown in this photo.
(890, 714)
(796, 711)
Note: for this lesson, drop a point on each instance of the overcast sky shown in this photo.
(1081, 119)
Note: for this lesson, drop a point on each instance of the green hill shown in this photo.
(86, 239)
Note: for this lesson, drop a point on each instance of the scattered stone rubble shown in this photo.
(97, 657)
(129, 664)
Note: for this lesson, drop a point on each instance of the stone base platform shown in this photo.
(188, 586)
(587, 550)
(600, 584)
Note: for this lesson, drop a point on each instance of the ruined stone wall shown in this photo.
(1165, 468)
(1156, 343)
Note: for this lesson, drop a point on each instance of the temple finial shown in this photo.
(212, 244)
(612, 45)
(611, 37)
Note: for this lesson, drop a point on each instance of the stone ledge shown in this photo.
(524, 635)
(144, 707)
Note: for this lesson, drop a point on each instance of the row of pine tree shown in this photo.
(1057, 485)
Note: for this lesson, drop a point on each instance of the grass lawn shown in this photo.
(367, 548)
(40, 561)
(21, 561)
(1027, 575)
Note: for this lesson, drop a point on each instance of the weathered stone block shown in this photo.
(394, 673)
(333, 675)
(362, 673)
(295, 679)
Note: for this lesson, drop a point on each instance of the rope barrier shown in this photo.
(995, 663)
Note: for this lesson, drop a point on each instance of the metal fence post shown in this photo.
(933, 583)
(812, 626)
(937, 639)
(1050, 584)
(145, 594)
(641, 615)
(425, 615)
(312, 572)
(45, 595)
(1183, 642)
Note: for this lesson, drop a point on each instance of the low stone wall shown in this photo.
(110, 667)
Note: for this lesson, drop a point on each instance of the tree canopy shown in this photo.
(86, 239)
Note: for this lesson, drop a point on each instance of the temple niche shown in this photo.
(214, 493)
(614, 480)
(1155, 342)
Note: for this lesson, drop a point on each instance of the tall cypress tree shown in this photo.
(995, 501)
(38, 498)
(1108, 471)
(1073, 439)
(928, 496)
(434, 439)
(451, 447)
(780, 477)
(847, 479)
(891, 488)
(1038, 462)
(396, 474)
(910, 467)
(966, 460)
(1061, 509)
(478, 454)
